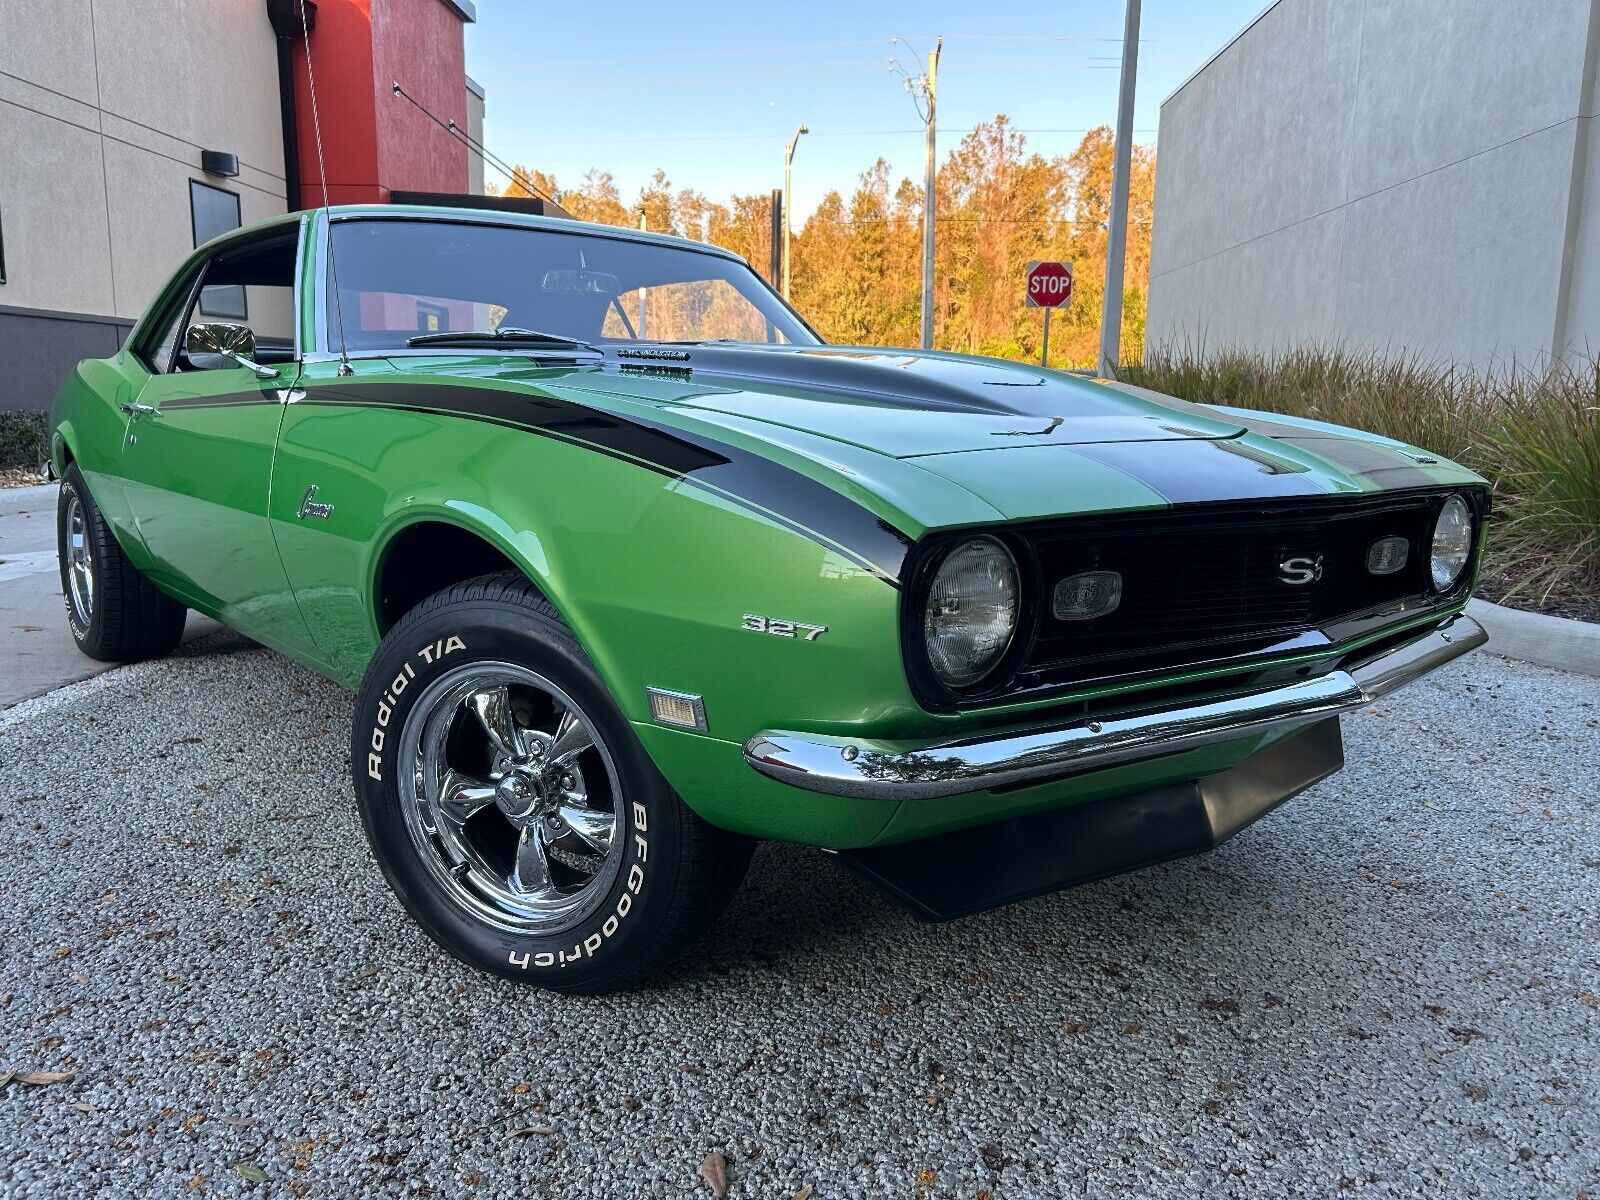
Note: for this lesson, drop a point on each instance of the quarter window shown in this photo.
(161, 343)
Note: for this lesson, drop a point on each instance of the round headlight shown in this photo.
(1452, 543)
(972, 611)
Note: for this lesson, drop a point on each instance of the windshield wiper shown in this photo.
(505, 334)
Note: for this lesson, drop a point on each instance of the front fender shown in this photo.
(87, 427)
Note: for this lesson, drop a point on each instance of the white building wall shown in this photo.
(1383, 175)
(104, 109)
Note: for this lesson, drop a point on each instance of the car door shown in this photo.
(197, 457)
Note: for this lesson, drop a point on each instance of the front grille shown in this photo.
(1202, 585)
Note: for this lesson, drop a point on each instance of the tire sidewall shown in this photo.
(72, 485)
(418, 652)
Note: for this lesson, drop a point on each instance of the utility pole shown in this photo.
(775, 238)
(644, 293)
(788, 167)
(930, 195)
(924, 91)
(1117, 232)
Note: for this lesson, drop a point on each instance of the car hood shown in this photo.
(903, 403)
(930, 440)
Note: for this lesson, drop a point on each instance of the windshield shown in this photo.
(398, 279)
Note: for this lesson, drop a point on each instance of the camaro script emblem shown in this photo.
(1297, 572)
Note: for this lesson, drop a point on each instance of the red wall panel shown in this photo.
(373, 141)
(419, 45)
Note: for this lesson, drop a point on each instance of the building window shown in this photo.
(432, 318)
(213, 212)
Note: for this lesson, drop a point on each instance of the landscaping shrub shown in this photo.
(22, 439)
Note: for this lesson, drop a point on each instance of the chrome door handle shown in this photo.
(136, 410)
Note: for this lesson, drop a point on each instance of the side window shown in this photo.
(260, 276)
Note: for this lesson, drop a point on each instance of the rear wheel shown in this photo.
(513, 810)
(115, 613)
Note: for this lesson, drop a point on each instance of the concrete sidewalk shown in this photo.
(37, 653)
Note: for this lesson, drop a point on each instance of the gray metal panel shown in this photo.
(39, 348)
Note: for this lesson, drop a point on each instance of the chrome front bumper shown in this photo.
(850, 767)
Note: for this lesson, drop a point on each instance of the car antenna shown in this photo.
(322, 172)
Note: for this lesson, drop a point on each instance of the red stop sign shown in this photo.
(1049, 284)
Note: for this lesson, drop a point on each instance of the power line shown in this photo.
(790, 48)
(778, 137)
(455, 131)
(671, 81)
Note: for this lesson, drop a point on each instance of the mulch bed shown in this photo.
(1569, 600)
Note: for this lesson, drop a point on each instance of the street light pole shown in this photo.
(929, 194)
(788, 166)
(1117, 232)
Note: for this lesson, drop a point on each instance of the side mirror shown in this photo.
(213, 345)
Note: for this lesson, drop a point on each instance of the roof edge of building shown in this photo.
(1223, 49)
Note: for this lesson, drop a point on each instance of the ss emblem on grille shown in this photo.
(1297, 572)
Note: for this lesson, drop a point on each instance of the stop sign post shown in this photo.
(1049, 286)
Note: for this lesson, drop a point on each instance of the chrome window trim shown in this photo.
(324, 351)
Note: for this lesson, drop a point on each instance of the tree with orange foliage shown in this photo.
(857, 261)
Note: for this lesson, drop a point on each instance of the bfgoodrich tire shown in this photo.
(115, 613)
(511, 807)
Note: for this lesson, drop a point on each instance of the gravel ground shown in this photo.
(1388, 988)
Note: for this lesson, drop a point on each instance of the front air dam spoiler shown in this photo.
(971, 870)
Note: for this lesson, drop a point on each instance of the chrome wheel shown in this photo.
(511, 798)
(80, 562)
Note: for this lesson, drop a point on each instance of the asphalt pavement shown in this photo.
(36, 647)
(1389, 987)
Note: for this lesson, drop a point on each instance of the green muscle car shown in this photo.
(628, 568)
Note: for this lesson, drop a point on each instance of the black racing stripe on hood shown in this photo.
(1382, 465)
(1386, 467)
(1202, 470)
(798, 501)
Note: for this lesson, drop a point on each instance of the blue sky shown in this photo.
(710, 92)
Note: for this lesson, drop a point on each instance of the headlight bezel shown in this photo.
(989, 551)
(932, 690)
(1463, 503)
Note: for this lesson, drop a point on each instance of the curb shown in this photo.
(1536, 638)
(37, 498)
